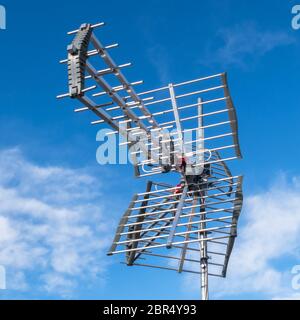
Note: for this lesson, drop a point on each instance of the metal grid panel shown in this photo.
(200, 120)
(149, 229)
(162, 123)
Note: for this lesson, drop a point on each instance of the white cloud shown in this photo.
(52, 226)
(58, 283)
(267, 246)
(244, 43)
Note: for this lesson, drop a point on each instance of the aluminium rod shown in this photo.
(178, 201)
(185, 95)
(210, 162)
(198, 80)
(175, 112)
(173, 195)
(177, 258)
(194, 141)
(187, 237)
(210, 196)
(98, 106)
(214, 149)
(153, 161)
(132, 129)
(185, 215)
(173, 188)
(67, 95)
(199, 92)
(176, 195)
(118, 88)
(109, 70)
(190, 154)
(181, 84)
(173, 269)
(179, 247)
(177, 216)
(93, 26)
(172, 235)
(92, 53)
(174, 170)
(169, 110)
(223, 232)
(181, 224)
(210, 239)
(204, 103)
(131, 105)
(186, 154)
(220, 174)
(204, 127)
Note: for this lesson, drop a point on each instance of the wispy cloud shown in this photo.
(52, 226)
(242, 44)
(267, 247)
(160, 60)
(156, 51)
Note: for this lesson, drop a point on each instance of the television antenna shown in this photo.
(186, 131)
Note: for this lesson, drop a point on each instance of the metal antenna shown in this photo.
(188, 129)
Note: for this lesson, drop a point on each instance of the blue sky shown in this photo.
(47, 153)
